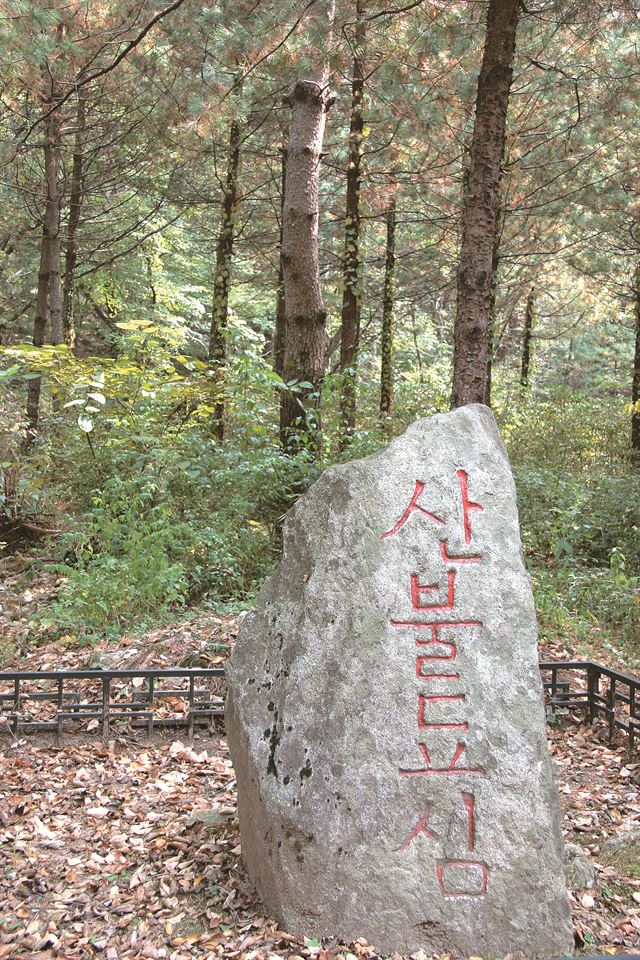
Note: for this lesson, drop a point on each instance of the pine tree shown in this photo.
(305, 337)
(352, 264)
(480, 216)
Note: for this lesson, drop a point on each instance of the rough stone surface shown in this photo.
(579, 871)
(210, 819)
(340, 834)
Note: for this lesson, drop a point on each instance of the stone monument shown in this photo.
(385, 712)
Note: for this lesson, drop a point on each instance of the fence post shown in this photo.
(106, 685)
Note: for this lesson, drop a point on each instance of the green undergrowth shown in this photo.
(190, 530)
(161, 518)
(623, 855)
(581, 536)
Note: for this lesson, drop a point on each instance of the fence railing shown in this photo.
(52, 700)
(597, 691)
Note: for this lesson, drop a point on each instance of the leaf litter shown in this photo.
(131, 849)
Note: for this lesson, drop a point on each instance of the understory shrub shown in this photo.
(125, 560)
(160, 515)
(572, 430)
(198, 523)
(581, 538)
(584, 517)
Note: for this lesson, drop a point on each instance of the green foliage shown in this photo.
(166, 516)
(607, 596)
(161, 515)
(579, 518)
(194, 526)
(570, 428)
(581, 536)
(125, 561)
(590, 609)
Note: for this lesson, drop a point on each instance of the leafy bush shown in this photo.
(590, 608)
(583, 517)
(161, 515)
(581, 536)
(124, 561)
(201, 523)
(574, 430)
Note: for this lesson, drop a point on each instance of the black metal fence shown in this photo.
(52, 700)
(598, 691)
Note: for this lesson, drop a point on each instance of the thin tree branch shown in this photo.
(269, 53)
(81, 81)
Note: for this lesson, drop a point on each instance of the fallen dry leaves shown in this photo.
(600, 798)
(131, 850)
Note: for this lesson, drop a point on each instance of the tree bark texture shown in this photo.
(482, 205)
(495, 262)
(75, 203)
(153, 294)
(635, 387)
(49, 291)
(280, 325)
(10, 486)
(224, 253)
(527, 336)
(305, 313)
(352, 265)
(388, 296)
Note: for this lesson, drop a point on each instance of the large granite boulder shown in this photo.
(385, 712)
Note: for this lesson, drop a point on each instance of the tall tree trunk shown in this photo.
(527, 336)
(352, 267)
(481, 209)
(10, 486)
(224, 253)
(388, 296)
(305, 313)
(280, 326)
(75, 202)
(49, 293)
(495, 262)
(414, 334)
(55, 273)
(153, 293)
(635, 387)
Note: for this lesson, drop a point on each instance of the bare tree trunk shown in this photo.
(414, 334)
(481, 209)
(75, 202)
(55, 280)
(495, 261)
(224, 253)
(527, 336)
(49, 293)
(153, 293)
(280, 326)
(388, 296)
(635, 387)
(10, 484)
(352, 268)
(304, 355)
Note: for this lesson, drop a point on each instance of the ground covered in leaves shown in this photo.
(130, 849)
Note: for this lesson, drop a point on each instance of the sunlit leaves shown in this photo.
(85, 423)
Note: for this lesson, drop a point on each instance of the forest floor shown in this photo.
(130, 849)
